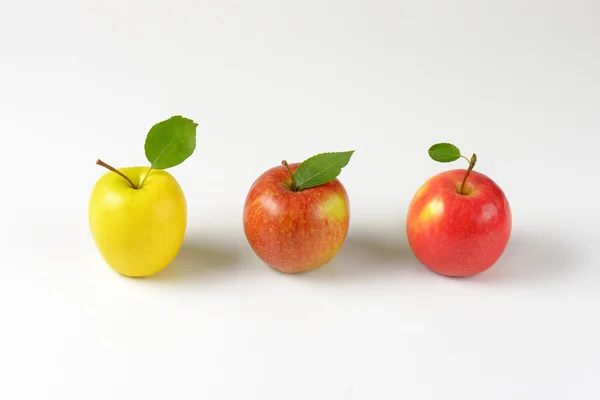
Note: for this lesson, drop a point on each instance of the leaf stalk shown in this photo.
(145, 176)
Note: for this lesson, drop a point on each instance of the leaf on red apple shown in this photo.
(320, 169)
(444, 152)
(170, 142)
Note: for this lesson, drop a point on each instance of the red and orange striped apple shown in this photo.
(296, 216)
(459, 221)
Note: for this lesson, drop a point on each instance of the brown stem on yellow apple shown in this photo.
(472, 162)
(116, 171)
(285, 164)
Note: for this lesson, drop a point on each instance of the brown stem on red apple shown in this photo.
(472, 162)
(105, 165)
(285, 164)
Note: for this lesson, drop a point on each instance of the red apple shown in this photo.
(459, 233)
(295, 230)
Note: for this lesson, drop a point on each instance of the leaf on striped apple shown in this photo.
(320, 169)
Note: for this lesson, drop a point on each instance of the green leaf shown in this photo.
(320, 169)
(170, 142)
(444, 152)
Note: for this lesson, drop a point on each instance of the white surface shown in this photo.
(517, 82)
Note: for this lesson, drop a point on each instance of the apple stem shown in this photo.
(285, 164)
(472, 162)
(105, 165)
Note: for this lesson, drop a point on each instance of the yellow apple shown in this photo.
(138, 230)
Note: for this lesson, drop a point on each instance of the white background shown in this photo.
(517, 82)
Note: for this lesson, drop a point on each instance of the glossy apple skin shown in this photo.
(138, 232)
(295, 231)
(459, 235)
